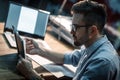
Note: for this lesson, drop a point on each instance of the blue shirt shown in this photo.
(97, 62)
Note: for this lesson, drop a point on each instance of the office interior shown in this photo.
(4, 7)
(6, 52)
(112, 27)
(62, 7)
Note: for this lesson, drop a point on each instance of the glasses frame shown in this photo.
(75, 27)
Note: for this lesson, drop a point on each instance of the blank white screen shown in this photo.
(27, 20)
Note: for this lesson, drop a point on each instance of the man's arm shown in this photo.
(33, 48)
(56, 57)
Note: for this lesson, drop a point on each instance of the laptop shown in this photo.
(28, 21)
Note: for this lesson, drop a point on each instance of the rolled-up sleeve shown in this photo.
(73, 57)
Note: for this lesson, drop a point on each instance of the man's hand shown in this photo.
(25, 67)
(31, 47)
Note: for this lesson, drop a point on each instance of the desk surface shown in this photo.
(6, 50)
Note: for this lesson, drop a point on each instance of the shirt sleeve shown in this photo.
(99, 69)
(73, 57)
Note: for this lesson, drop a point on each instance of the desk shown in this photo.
(4, 48)
(6, 51)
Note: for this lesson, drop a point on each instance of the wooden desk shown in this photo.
(5, 50)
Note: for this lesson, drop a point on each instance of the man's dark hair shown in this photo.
(94, 13)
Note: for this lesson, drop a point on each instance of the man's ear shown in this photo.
(92, 30)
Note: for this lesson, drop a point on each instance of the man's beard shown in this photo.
(81, 41)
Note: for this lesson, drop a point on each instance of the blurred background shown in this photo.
(62, 7)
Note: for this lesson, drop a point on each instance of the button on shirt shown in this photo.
(97, 62)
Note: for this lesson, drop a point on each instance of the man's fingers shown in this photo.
(29, 46)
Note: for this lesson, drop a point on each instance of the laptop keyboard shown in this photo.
(10, 38)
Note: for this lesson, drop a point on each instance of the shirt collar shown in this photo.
(96, 44)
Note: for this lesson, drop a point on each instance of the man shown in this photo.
(98, 61)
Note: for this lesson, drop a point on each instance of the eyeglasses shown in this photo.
(75, 27)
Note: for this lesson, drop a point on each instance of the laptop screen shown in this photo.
(27, 20)
(19, 43)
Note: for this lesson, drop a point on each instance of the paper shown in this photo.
(56, 70)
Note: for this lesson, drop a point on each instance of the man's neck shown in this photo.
(92, 40)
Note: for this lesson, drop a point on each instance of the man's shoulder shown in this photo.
(108, 56)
